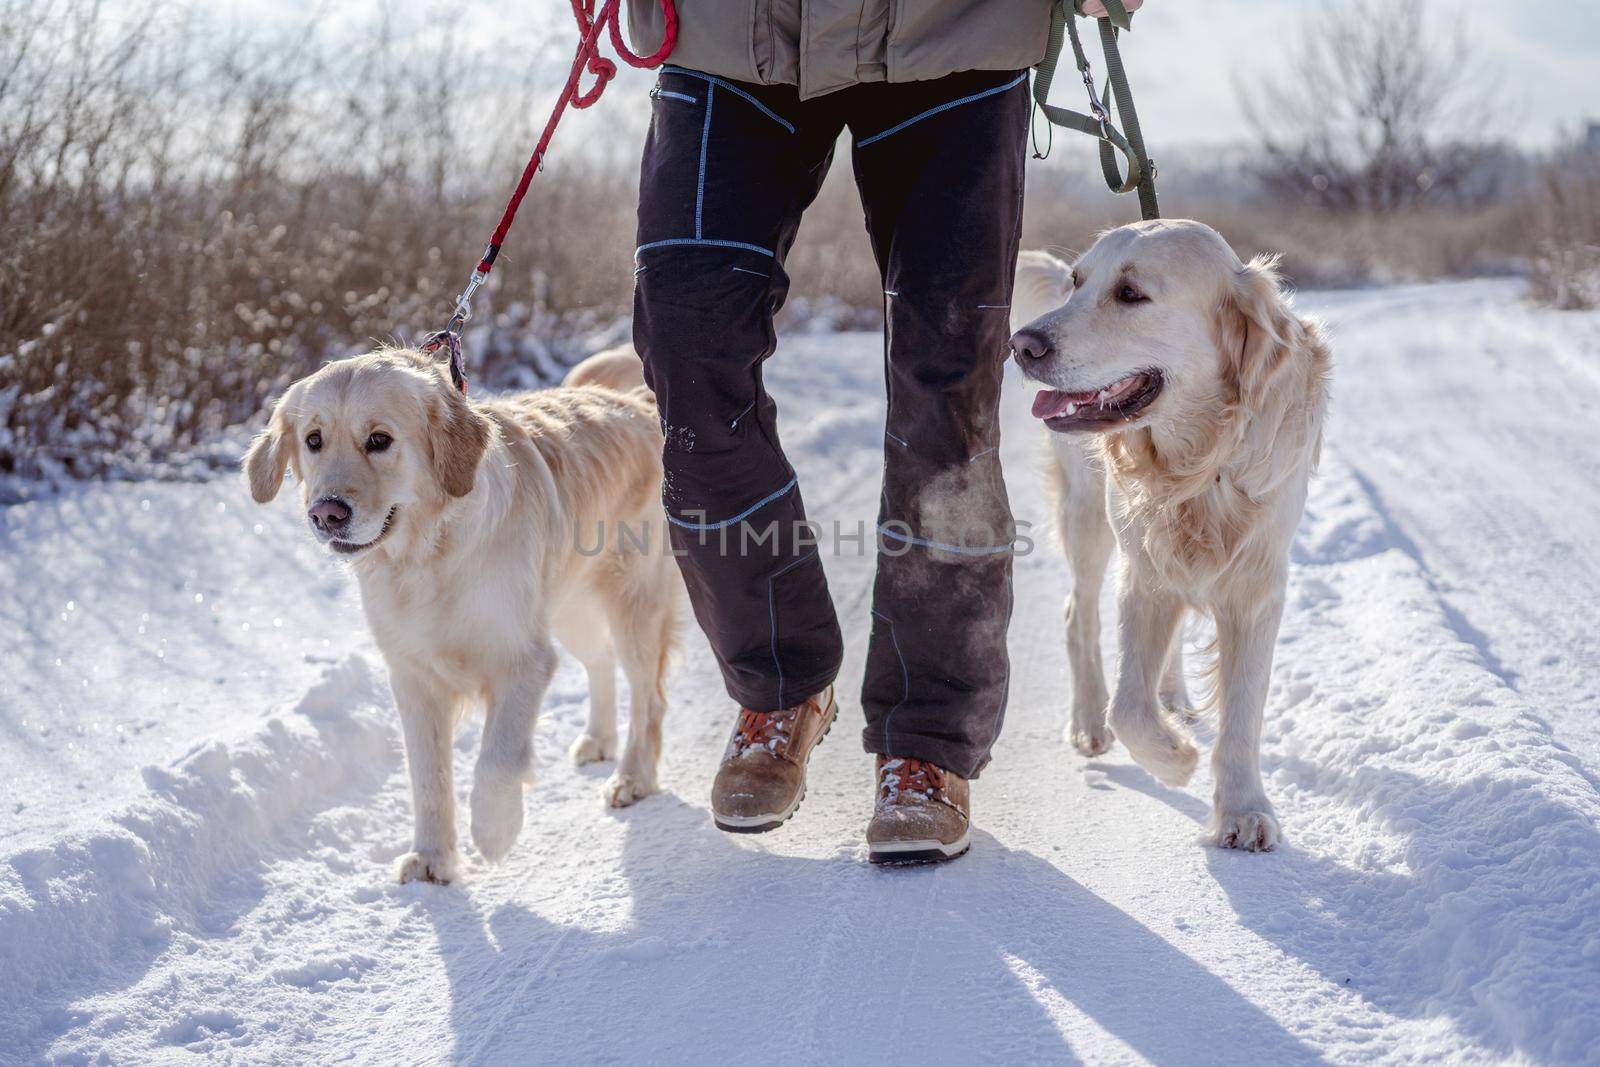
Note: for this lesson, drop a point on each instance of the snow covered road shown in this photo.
(206, 791)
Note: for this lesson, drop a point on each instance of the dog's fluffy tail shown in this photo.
(616, 368)
(1043, 282)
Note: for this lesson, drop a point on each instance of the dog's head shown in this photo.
(379, 443)
(1161, 321)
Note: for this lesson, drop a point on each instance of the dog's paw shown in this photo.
(496, 813)
(622, 789)
(1253, 831)
(591, 749)
(1158, 745)
(1180, 706)
(1091, 741)
(427, 865)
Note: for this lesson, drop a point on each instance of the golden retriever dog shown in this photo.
(480, 533)
(616, 368)
(1186, 402)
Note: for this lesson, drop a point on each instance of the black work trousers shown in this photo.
(729, 167)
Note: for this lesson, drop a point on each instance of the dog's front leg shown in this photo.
(505, 759)
(1246, 633)
(427, 718)
(1147, 621)
(1088, 539)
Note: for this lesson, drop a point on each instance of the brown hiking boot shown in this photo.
(762, 779)
(922, 814)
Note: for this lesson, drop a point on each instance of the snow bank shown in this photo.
(1443, 848)
(138, 619)
(83, 912)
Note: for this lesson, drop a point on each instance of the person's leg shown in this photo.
(940, 169)
(728, 169)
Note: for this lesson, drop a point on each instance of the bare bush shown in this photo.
(1378, 109)
(834, 278)
(189, 221)
(1565, 268)
(190, 218)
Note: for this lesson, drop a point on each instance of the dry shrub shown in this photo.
(190, 220)
(834, 278)
(1565, 268)
(1321, 248)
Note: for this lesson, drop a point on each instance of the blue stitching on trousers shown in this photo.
(1013, 83)
(905, 676)
(745, 514)
(962, 550)
(772, 614)
(658, 91)
(704, 241)
(713, 80)
(700, 187)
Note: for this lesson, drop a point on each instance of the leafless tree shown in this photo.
(1381, 107)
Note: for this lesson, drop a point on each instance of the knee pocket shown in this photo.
(720, 285)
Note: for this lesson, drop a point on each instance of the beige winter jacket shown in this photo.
(825, 45)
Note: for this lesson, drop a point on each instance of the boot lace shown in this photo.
(915, 778)
(770, 730)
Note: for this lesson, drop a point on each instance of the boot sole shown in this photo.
(917, 853)
(760, 824)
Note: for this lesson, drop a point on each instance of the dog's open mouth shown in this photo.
(1096, 409)
(350, 547)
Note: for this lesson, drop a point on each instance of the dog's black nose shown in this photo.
(331, 515)
(1031, 344)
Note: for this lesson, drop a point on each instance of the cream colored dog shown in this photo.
(1183, 374)
(478, 532)
(616, 368)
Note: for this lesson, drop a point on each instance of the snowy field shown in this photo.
(205, 790)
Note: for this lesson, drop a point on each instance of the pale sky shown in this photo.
(1184, 55)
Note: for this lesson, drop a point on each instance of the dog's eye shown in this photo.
(1077, 280)
(314, 440)
(1129, 295)
(379, 441)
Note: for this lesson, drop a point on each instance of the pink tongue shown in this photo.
(1049, 403)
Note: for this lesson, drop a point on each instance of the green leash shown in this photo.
(1097, 124)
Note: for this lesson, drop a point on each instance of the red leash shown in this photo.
(587, 59)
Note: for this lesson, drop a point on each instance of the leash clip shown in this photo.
(449, 338)
(461, 314)
(1095, 107)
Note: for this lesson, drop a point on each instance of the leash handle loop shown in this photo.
(1141, 170)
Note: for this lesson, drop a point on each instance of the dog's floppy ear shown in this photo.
(457, 437)
(1255, 328)
(1043, 284)
(264, 465)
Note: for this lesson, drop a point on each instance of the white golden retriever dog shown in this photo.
(1182, 374)
(475, 533)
